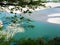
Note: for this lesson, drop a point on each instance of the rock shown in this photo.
(1, 24)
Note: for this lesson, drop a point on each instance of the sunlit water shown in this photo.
(41, 29)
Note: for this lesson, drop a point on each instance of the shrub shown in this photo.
(41, 41)
(27, 42)
(54, 41)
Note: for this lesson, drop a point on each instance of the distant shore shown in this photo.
(42, 14)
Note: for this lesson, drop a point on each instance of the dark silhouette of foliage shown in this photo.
(41, 41)
(55, 41)
(29, 41)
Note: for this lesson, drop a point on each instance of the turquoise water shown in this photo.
(41, 29)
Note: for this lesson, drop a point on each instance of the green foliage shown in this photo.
(30, 3)
(1, 28)
(23, 3)
(5, 43)
(54, 41)
(29, 12)
(3, 40)
(1, 0)
(29, 41)
(41, 41)
(11, 11)
(10, 1)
